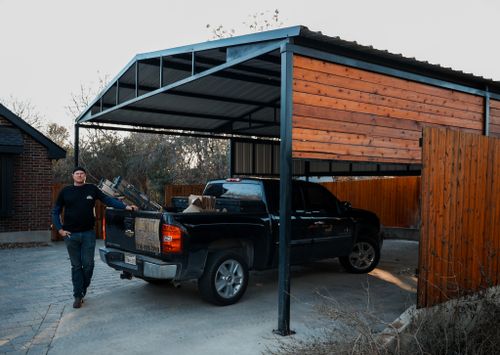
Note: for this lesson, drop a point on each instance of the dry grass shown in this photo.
(467, 327)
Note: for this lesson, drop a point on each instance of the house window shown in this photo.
(6, 174)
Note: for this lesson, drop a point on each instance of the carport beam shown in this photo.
(285, 227)
(487, 112)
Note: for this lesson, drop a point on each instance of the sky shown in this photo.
(50, 48)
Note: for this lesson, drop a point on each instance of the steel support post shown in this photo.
(77, 143)
(307, 168)
(285, 227)
(231, 157)
(136, 74)
(117, 98)
(161, 72)
(487, 112)
(193, 63)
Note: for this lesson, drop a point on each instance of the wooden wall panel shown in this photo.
(345, 113)
(460, 230)
(495, 118)
(396, 201)
(181, 190)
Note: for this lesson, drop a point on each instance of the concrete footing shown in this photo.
(25, 237)
(402, 233)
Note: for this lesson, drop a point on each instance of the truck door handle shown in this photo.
(320, 223)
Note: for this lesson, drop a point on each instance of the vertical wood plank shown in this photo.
(447, 229)
(439, 237)
(469, 205)
(460, 208)
(490, 218)
(474, 223)
(495, 254)
(484, 200)
(423, 260)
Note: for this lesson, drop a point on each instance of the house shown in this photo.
(26, 157)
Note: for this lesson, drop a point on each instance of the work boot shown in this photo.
(78, 302)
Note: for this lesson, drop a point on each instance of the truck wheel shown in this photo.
(225, 279)
(363, 258)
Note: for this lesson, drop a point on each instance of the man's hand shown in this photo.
(131, 208)
(64, 233)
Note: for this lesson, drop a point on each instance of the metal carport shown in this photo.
(244, 89)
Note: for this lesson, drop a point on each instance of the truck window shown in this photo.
(273, 197)
(240, 191)
(319, 199)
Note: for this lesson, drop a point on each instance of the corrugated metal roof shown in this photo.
(386, 58)
(233, 85)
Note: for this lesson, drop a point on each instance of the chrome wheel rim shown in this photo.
(229, 278)
(362, 255)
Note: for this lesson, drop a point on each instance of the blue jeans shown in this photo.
(81, 249)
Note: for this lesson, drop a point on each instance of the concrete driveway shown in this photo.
(129, 317)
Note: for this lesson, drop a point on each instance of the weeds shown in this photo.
(469, 326)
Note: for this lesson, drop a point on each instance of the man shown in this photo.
(78, 201)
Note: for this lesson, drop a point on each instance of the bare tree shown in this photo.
(58, 134)
(263, 21)
(257, 22)
(81, 99)
(26, 110)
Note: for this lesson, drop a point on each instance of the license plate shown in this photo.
(130, 259)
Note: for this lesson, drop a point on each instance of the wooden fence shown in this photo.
(181, 190)
(395, 200)
(460, 234)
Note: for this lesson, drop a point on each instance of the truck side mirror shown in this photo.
(346, 205)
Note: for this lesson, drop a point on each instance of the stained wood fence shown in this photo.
(181, 190)
(460, 235)
(395, 200)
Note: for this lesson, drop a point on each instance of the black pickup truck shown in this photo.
(218, 248)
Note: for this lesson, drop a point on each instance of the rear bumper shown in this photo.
(145, 266)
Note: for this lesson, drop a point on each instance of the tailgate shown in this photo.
(134, 231)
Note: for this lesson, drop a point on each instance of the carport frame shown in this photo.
(285, 41)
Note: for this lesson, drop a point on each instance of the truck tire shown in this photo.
(363, 258)
(225, 278)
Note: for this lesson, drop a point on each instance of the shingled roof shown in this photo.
(11, 139)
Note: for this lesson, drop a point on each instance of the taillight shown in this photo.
(103, 228)
(171, 241)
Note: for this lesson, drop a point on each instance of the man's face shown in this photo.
(79, 177)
